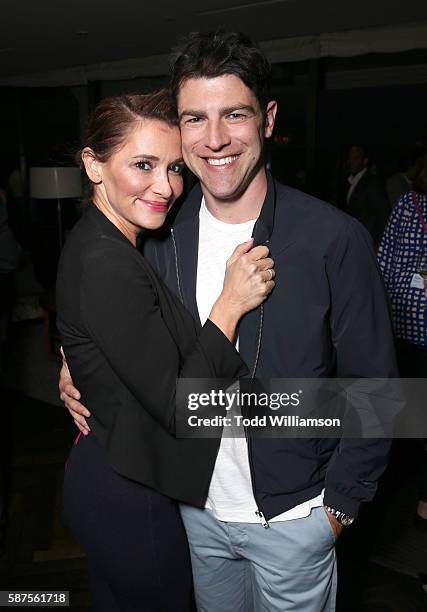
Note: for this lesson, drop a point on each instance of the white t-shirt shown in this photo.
(230, 496)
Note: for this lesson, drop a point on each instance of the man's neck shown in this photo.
(245, 207)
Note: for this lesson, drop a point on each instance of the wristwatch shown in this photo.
(344, 519)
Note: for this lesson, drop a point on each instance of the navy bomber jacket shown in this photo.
(327, 316)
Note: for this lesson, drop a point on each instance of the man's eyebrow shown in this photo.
(192, 113)
(238, 107)
(223, 111)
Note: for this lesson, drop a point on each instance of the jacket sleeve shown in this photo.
(121, 314)
(363, 340)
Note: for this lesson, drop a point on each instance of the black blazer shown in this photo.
(127, 338)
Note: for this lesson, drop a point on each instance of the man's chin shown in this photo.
(221, 194)
(222, 191)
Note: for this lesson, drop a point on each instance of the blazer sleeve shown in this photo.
(363, 340)
(121, 313)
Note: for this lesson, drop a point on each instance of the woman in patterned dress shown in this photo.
(401, 255)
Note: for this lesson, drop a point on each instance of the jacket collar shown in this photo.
(263, 226)
(186, 233)
(265, 222)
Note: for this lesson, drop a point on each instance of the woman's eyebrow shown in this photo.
(150, 157)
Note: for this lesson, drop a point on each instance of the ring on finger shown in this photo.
(271, 273)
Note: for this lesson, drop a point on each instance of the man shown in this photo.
(366, 198)
(265, 520)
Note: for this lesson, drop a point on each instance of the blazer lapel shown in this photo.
(358, 190)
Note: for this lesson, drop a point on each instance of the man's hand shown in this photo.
(70, 396)
(336, 526)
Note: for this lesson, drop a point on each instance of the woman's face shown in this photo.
(140, 182)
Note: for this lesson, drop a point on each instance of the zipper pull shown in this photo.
(261, 517)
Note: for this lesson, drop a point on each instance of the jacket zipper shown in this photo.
(258, 511)
(178, 280)
(258, 346)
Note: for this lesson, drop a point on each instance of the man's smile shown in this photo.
(221, 161)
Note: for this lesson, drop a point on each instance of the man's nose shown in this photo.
(217, 136)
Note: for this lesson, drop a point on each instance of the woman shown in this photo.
(127, 338)
(402, 255)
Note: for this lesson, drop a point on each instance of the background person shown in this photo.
(401, 255)
(365, 198)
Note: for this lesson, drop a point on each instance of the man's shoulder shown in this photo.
(374, 181)
(305, 220)
(307, 209)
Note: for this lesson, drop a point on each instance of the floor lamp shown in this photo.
(55, 183)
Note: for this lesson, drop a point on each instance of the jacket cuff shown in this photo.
(340, 502)
(226, 360)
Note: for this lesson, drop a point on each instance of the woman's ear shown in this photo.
(92, 166)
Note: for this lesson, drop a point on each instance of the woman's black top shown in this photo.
(127, 338)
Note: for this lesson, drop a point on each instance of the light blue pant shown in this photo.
(243, 567)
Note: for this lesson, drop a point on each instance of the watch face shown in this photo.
(346, 520)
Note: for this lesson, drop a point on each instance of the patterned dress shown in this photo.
(402, 250)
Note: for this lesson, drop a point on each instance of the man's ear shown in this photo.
(270, 118)
(92, 166)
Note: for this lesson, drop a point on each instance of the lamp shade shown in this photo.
(55, 183)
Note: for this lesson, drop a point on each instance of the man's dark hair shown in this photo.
(214, 54)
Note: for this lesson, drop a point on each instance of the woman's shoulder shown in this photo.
(95, 238)
(410, 199)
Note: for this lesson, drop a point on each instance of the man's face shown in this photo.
(223, 131)
(356, 160)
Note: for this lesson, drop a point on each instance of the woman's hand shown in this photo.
(70, 396)
(248, 281)
(248, 278)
